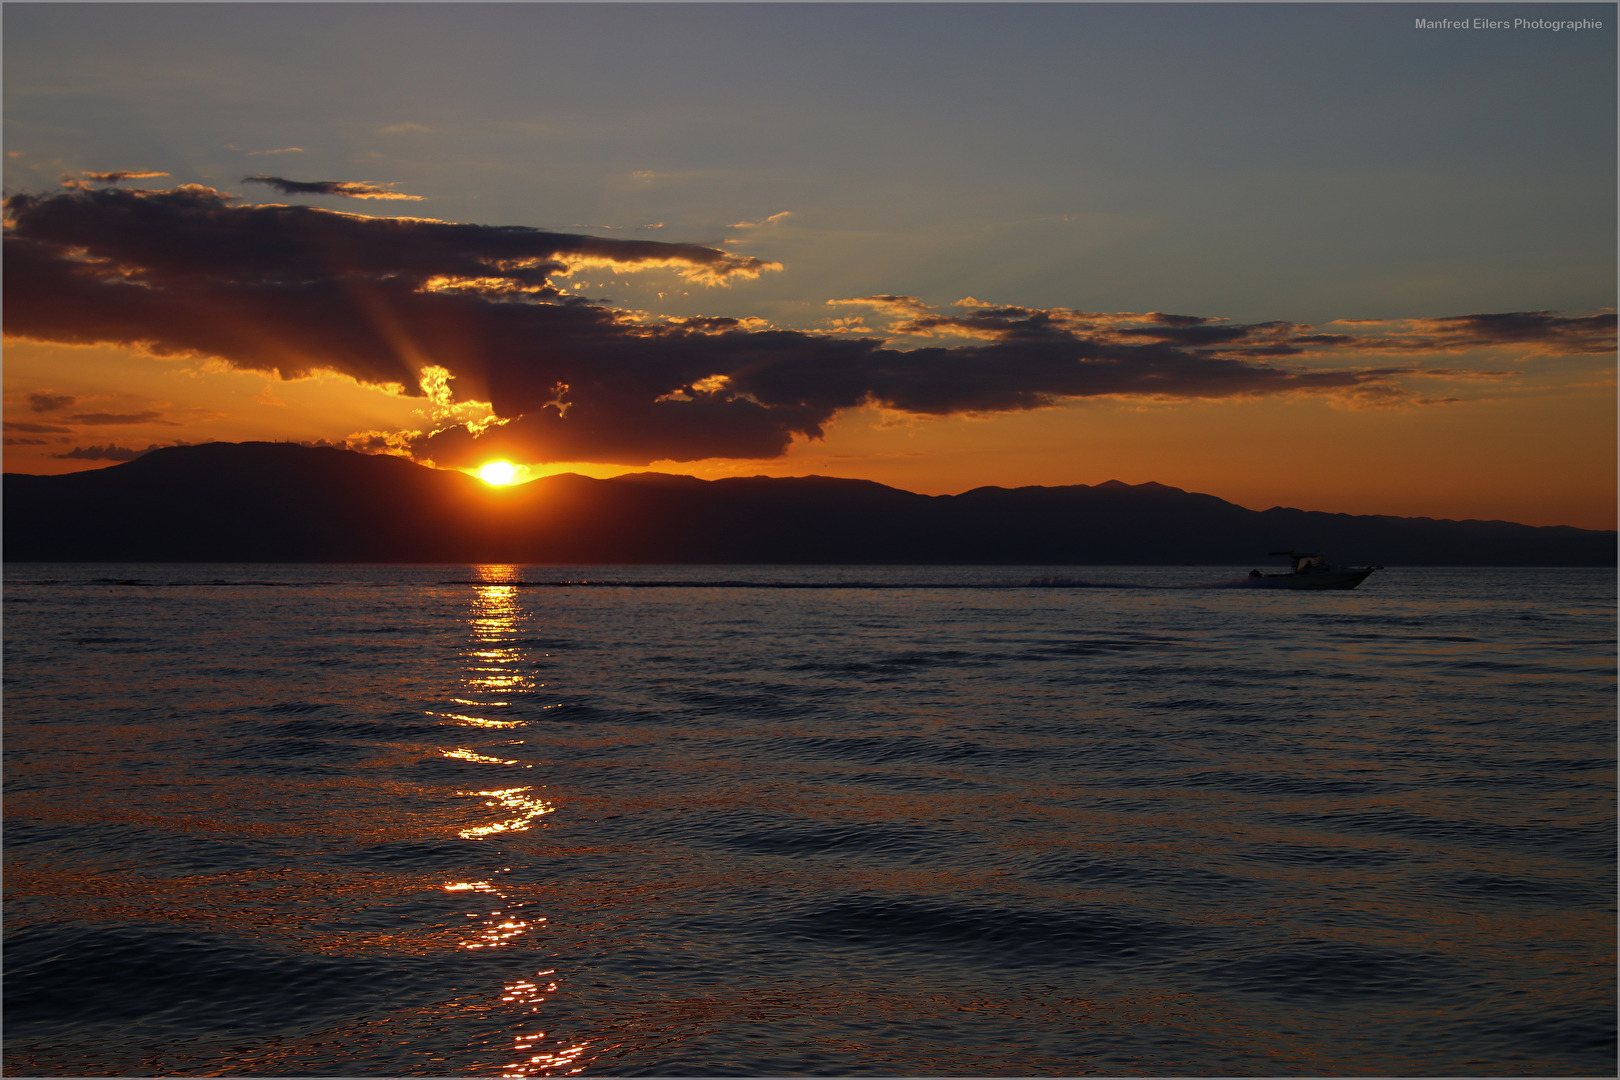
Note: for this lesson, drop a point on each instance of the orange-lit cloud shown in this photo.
(118, 177)
(772, 220)
(899, 307)
(541, 375)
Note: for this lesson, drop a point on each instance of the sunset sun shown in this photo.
(498, 473)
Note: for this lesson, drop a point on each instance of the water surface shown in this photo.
(312, 820)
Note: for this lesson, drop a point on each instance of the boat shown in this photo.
(1311, 571)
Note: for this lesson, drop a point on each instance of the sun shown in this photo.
(499, 473)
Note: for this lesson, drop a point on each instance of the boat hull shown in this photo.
(1332, 579)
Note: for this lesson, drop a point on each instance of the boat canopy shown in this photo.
(1306, 562)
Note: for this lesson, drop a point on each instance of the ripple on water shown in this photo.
(903, 781)
(1326, 857)
(390, 728)
(797, 838)
(908, 749)
(64, 979)
(1512, 892)
(1594, 841)
(1526, 1035)
(109, 847)
(996, 936)
(267, 829)
(417, 855)
(1150, 877)
(1333, 971)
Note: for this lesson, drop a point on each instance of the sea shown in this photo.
(525, 821)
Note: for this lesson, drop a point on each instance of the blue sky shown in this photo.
(1272, 160)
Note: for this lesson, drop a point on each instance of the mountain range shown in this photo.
(283, 502)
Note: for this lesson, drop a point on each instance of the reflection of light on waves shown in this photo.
(531, 994)
(495, 624)
(499, 929)
(494, 673)
(548, 1064)
(467, 755)
(527, 807)
(474, 721)
(495, 933)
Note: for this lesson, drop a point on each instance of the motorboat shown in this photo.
(1311, 571)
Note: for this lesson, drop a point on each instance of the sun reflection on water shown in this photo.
(464, 754)
(555, 1062)
(496, 623)
(501, 926)
(475, 721)
(526, 807)
(495, 670)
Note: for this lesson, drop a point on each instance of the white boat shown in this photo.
(1311, 571)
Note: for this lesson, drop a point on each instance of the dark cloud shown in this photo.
(105, 453)
(1545, 331)
(45, 401)
(11, 441)
(292, 290)
(38, 429)
(370, 442)
(102, 418)
(349, 189)
(1539, 331)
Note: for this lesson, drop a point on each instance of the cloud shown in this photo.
(463, 314)
(293, 290)
(349, 189)
(109, 452)
(94, 419)
(772, 220)
(116, 177)
(1543, 332)
(1538, 331)
(38, 429)
(888, 304)
(44, 401)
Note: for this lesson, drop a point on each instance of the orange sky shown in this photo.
(1539, 451)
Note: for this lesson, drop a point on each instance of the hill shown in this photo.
(280, 502)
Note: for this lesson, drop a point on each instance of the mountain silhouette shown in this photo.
(281, 502)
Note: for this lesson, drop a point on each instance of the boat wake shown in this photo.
(658, 583)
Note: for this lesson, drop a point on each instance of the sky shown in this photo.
(1309, 255)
